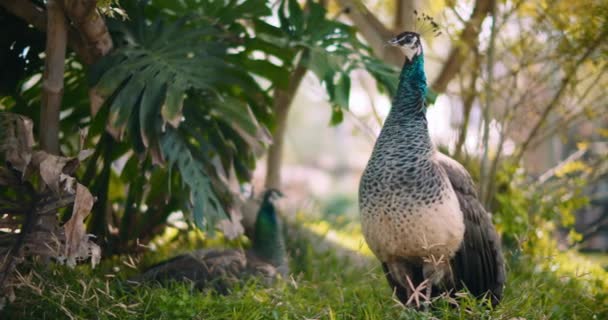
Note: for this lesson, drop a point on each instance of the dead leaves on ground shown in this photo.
(34, 185)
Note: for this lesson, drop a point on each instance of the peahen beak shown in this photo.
(394, 42)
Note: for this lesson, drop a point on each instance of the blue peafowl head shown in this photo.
(409, 42)
(271, 196)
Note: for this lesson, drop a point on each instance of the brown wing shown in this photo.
(478, 265)
(217, 269)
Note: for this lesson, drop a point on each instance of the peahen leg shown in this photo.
(408, 281)
(434, 270)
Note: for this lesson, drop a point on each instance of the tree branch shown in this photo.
(554, 102)
(372, 30)
(467, 105)
(458, 53)
(91, 28)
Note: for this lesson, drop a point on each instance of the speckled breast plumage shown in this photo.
(406, 200)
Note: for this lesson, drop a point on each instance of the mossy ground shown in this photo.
(542, 284)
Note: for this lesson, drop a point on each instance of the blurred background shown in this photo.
(175, 115)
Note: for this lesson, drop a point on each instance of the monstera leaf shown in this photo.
(329, 48)
(167, 75)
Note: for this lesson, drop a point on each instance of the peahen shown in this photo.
(419, 209)
(222, 269)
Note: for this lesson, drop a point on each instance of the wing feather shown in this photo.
(479, 264)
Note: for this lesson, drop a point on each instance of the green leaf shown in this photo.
(295, 17)
(150, 106)
(342, 91)
(279, 76)
(337, 116)
(171, 109)
(206, 208)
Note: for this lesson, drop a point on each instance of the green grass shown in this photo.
(546, 285)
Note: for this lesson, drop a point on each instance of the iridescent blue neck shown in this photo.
(268, 240)
(411, 92)
(407, 118)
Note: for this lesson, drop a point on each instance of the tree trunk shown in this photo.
(282, 103)
(52, 85)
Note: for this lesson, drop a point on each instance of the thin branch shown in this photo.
(558, 95)
(405, 10)
(458, 53)
(551, 172)
(467, 105)
(374, 32)
(504, 128)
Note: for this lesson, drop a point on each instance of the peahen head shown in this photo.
(409, 42)
(268, 237)
(412, 87)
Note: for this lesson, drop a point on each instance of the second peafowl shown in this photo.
(220, 270)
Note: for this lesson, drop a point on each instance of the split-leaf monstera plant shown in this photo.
(183, 104)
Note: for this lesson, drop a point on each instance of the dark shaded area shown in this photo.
(20, 47)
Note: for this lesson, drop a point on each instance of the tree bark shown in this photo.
(52, 85)
(282, 103)
(91, 28)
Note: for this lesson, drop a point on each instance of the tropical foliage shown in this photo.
(182, 106)
(187, 100)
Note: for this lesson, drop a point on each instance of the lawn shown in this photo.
(325, 284)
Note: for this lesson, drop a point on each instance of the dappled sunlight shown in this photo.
(236, 149)
(351, 239)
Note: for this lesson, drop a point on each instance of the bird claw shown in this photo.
(416, 292)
